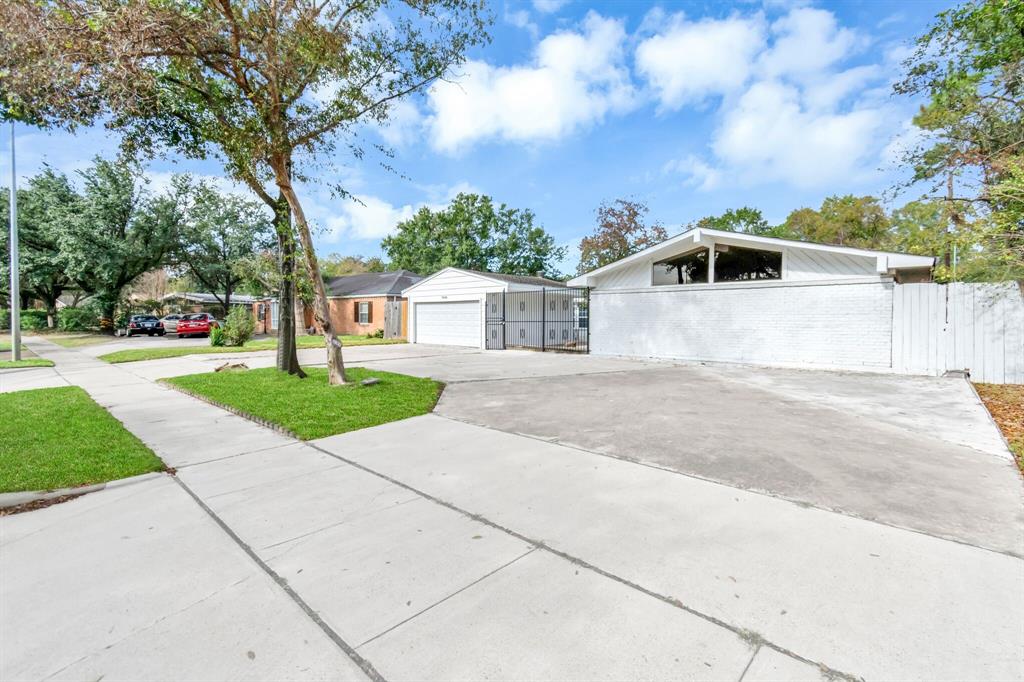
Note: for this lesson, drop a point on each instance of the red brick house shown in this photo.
(369, 302)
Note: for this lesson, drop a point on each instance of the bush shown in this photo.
(379, 334)
(217, 336)
(33, 319)
(77, 319)
(238, 326)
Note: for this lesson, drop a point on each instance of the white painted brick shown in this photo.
(828, 325)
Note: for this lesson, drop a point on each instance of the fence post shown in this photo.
(543, 319)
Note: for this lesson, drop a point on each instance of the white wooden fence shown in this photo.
(976, 327)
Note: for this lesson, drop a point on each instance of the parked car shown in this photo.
(171, 322)
(145, 324)
(196, 324)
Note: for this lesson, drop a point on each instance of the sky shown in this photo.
(691, 107)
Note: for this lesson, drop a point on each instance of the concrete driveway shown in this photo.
(549, 521)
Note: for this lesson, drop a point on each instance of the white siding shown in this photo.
(829, 325)
(801, 265)
(973, 327)
(627, 277)
(451, 286)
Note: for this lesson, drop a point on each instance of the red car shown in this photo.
(196, 324)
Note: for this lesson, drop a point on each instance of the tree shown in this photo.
(844, 220)
(337, 265)
(117, 234)
(219, 232)
(743, 219)
(474, 234)
(261, 84)
(45, 208)
(621, 231)
(970, 67)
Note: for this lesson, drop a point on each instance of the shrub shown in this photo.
(33, 319)
(77, 319)
(217, 336)
(238, 326)
(379, 334)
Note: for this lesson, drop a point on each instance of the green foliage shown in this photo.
(337, 265)
(475, 234)
(219, 236)
(845, 220)
(118, 233)
(312, 408)
(379, 334)
(59, 437)
(77, 319)
(217, 336)
(744, 219)
(621, 231)
(33, 319)
(238, 327)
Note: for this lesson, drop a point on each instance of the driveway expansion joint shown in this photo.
(347, 648)
(753, 491)
(748, 636)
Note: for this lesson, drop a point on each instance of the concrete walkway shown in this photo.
(434, 549)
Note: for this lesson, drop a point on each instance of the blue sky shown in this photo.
(693, 107)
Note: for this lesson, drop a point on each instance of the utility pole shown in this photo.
(15, 292)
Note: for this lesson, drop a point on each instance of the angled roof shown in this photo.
(516, 279)
(499, 277)
(891, 260)
(372, 283)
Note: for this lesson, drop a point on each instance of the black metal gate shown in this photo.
(555, 319)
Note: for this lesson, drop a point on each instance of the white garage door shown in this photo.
(448, 324)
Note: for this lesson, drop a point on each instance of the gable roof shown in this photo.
(372, 283)
(892, 260)
(497, 277)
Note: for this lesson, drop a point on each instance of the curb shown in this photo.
(17, 499)
(992, 420)
(233, 410)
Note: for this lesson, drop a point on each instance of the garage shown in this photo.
(447, 308)
(448, 323)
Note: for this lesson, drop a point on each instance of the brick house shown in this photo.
(369, 302)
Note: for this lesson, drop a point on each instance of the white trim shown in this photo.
(890, 259)
(751, 284)
(451, 269)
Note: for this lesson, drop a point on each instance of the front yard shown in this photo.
(137, 354)
(39, 451)
(310, 408)
(1006, 404)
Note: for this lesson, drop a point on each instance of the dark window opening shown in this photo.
(689, 268)
(736, 264)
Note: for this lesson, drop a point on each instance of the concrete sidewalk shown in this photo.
(433, 549)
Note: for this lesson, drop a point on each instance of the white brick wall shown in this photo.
(837, 324)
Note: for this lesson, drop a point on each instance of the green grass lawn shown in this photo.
(39, 451)
(136, 354)
(311, 408)
(25, 362)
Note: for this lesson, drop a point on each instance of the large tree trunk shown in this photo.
(287, 354)
(321, 307)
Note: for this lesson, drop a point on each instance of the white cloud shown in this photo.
(806, 42)
(404, 124)
(521, 19)
(574, 80)
(770, 136)
(697, 172)
(691, 60)
(549, 6)
(790, 112)
(364, 216)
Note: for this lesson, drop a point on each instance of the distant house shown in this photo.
(264, 308)
(368, 303)
(450, 306)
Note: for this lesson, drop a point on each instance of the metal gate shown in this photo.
(556, 319)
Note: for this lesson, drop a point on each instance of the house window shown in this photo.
(364, 312)
(689, 268)
(736, 264)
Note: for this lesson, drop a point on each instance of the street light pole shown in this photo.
(15, 293)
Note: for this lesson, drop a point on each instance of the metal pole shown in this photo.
(15, 290)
